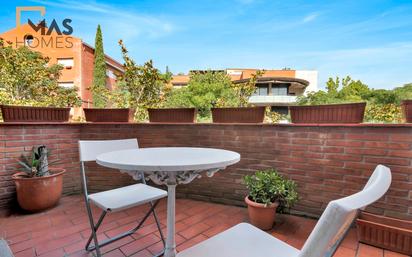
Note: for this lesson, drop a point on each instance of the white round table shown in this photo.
(169, 166)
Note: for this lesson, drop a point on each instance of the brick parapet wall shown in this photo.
(327, 161)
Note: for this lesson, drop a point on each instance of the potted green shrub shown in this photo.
(38, 186)
(268, 192)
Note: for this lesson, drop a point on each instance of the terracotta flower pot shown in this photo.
(108, 114)
(384, 232)
(12, 113)
(407, 110)
(260, 215)
(175, 115)
(238, 115)
(330, 113)
(39, 193)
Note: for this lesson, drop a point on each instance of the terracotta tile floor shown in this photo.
(63, 230)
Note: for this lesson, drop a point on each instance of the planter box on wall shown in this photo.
(407, 110)
(331, 113)
(384, 232)
(34, 114)
(173, 115)
(238, 115)
(108, 115)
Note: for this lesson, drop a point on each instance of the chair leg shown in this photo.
(96, 227)
(160, 231)
(152, 208)
(92, 226)
(154, 212)
(158, 225)
(125, 234)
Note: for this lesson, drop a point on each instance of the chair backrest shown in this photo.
(90, 149)
(340, 214)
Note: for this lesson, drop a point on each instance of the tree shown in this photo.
(382, 105)
(404, 92)
(142, 86)
(27, 78)
(167, 75)
(337, 91)
(98, 88)
(204, 91)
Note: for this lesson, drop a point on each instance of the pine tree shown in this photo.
(99, 71)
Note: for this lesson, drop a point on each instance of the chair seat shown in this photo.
(242, 240)
(126, 197)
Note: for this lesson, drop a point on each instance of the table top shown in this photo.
(168, 159)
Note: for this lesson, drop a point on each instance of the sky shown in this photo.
(366, 39)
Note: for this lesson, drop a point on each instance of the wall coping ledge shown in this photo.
(390, 125)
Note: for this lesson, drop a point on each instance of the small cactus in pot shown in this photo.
(37, 164)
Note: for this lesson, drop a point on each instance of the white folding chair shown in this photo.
(244, 240)
(116, 199)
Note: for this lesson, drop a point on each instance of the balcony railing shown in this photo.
(272, 99)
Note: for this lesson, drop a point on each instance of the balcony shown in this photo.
(272, 99)
(327, 162)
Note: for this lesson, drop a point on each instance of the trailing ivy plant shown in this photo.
(269, 186)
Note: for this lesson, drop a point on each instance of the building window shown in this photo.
(262, 89)
(66, 62)
(110, 74)
(28, 40)
(280, 89)
(280, 109)
(69, 84)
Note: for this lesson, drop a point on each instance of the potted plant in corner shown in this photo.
(38, 186)
(268, 192)
(243, 113)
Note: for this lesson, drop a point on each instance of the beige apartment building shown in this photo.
(275, 88)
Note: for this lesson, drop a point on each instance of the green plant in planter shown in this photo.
(36, 165)
(269, 186)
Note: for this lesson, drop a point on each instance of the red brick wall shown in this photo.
(15, 140)
(327, 162)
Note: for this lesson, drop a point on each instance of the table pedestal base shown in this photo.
(170, 250)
